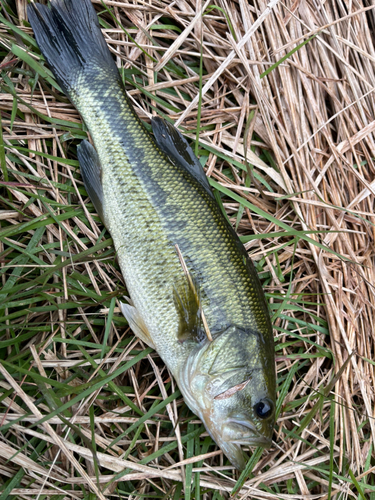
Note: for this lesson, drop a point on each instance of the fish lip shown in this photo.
(244, 423)
(253, 441)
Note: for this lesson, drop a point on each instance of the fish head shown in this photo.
(231, 386)
(242, 415)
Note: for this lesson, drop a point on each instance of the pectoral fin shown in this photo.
(136, 323)
(176, 147)
(91, 171)
(187, 301)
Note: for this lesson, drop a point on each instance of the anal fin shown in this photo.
(137, 324)
(91, 171)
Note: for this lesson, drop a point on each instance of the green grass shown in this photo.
(64, 342)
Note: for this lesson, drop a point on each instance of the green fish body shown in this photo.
(195, 295)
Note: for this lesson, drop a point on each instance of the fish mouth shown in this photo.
(233, 449)
(254, 441)
(255, 438)
(244, 423)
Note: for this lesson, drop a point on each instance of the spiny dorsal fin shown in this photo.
(176, 147)
(91, 171)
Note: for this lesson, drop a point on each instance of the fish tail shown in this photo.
(69, 37)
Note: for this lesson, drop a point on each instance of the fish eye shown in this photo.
(264, 408)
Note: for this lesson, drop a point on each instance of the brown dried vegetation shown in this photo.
(304, 207)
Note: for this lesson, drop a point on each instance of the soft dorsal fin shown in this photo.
(176, 147)
(91, 171)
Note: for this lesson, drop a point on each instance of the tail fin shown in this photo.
(69, 36)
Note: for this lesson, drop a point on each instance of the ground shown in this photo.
(277, 101)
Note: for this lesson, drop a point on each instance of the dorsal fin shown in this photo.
(176, 147)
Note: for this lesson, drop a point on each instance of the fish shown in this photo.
(195, 296)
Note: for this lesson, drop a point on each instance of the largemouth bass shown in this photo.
(195, 295)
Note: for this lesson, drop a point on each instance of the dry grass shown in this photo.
(86, 410)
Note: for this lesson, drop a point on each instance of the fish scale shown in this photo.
(154, 198)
